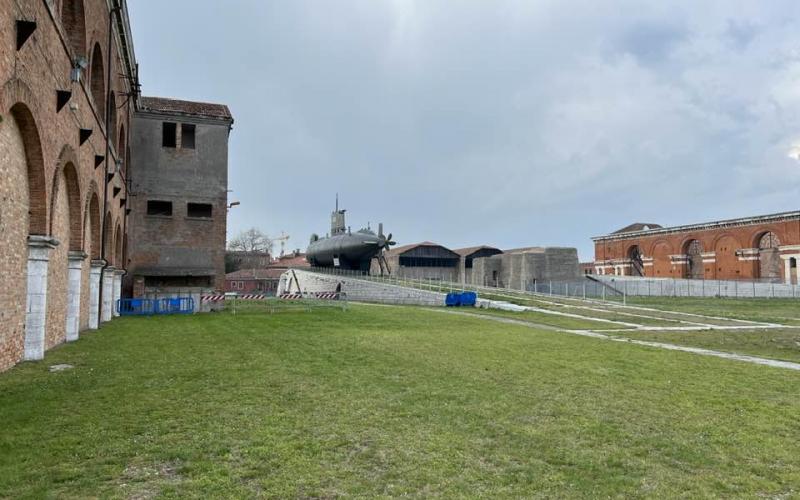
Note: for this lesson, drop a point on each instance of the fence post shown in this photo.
(736, 289)
(604, 293)
(584, 291)
(551, 288)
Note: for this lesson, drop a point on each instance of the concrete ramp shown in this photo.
(357, 289)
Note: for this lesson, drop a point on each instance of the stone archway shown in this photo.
(769, 261)
(636, 263)
(23, 239)
(694, 259)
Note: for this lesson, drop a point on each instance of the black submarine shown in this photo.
(346, 250)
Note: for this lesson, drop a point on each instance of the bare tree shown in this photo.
(251, 240)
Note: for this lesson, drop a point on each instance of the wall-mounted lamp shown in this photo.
(234, 204)
(78, 66)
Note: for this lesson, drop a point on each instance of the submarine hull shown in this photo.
(352, 251)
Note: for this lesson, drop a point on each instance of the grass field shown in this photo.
(389, 401)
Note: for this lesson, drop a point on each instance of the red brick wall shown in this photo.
(723, 241)
(31, 178)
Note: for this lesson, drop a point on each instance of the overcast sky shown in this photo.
(508, 123)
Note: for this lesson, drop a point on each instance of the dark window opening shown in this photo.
(187, 136)
(199, 210)
(168, 132)
(155, 207)
(427, 262)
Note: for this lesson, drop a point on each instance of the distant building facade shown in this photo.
(482, 265)
(254, 281)
(765, 247)
(178, 220)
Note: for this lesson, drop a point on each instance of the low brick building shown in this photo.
(765, 247)
(254, 281)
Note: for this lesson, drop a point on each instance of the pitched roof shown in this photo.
(255, 274)
(192, 108)
(465, 252)
(406, 248)
(525, 250)
(637, 226)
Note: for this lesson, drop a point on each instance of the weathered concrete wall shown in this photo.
(521, 269)
(179, 245)
(361, 290)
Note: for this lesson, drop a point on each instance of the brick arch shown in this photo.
(661, 241)
(73, 21)
(756, 236)
(67, 166)
(97, 80)
(722, 235)
(92, 219)
(34, 157)
(660, 250)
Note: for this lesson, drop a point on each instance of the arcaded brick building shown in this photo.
(65, 110)
(68, 94)
(765, 247)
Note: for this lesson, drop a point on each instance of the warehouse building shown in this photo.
(765, 247)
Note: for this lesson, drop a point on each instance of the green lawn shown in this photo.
(387, 401)
(782, 344)
(782, 311)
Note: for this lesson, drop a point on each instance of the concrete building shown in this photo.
(520, 268)
(467, 257)
(765, 247)
(482, 265)
(179, 167)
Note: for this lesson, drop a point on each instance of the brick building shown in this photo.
(68, 94)
(179, 171)
(764, 247)
(254, 280)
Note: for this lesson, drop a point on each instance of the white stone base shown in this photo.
(74, 295)
(36, 310)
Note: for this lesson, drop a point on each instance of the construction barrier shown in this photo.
(148, 307)
(465, 299)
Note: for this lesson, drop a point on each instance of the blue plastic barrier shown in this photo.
(469, 299)
(147, 307)
(453, 299)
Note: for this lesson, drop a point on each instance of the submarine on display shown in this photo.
(346, 250)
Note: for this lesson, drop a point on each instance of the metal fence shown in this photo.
(675, 287)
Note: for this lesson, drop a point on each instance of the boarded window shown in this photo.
(199, 210)
(168, 132)
(187, 136)
(156, 207)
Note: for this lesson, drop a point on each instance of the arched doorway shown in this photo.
(769, 261)
(694, 259)
(635, 258)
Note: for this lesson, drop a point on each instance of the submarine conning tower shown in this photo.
(337, 220)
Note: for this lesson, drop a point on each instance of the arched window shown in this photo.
(72, 20)
(98, 81)
(121, 148)
(637, 264)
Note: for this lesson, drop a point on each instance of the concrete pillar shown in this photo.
(74, 294)
(94, 293)
(36, 303)
(787, 271)
(117, 290)
(107, 283)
